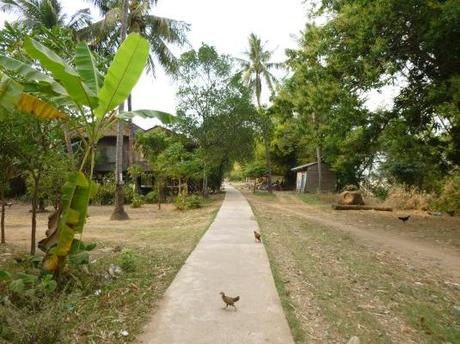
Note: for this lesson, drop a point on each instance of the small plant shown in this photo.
(137, 201)
(106, 191)
(128, 260)
(184, 202)
(151, 197)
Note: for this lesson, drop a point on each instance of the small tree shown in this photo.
(255, 171)
(94, 103)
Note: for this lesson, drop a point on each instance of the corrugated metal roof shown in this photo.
(301, 167)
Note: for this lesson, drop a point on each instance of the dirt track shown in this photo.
(426, 242)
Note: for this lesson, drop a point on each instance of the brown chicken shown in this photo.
(257, 236)
(229, 301)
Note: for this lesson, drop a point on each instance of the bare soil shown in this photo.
(429, 242)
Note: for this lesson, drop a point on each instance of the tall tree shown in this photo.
(107, 33)
(214, 109)
(256, 69)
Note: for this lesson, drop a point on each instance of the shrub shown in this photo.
(106, 191)
(184, 202)
(137, 201)
(408, 198)
(449, 199)
(151, 197)
(128, 260)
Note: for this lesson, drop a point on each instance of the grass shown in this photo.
(332, 287)
(96, 308)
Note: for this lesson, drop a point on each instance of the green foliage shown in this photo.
(184, 202)
(151, 197)
(128, 260)
(25, 287)
(255, 170)
(106, 190)
(137, 201)
(123, 73)
(207, 109)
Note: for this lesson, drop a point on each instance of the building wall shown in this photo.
(328, 181)
(106, 154)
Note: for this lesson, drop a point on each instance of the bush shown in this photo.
(449, 200)
(106, 191)
(151, 197)
(137, 201)
(408, 198)
(128, 260)
(184, 202)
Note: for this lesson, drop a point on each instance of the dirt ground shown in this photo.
(361, 273)
(94, 306)
(98, 227)
(430, 242)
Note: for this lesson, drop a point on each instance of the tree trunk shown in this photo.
(159, 196)
(320, 175)
(205, 184)
(41, 205)
(34, 215)
(2, 222)
(119, 212)
(255, 185)
(269, 163)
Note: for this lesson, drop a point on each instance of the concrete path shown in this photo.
(226, 259)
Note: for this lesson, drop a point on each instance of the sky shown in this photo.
(225, 25)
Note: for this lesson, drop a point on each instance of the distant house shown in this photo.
(106, 150)
(307, 178)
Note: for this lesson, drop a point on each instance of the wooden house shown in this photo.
(307, 178)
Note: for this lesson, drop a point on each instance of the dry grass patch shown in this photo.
(93, 307)
(332, 287)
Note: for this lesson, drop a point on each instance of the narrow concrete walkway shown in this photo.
(226, 259)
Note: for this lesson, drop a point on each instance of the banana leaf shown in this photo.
(164, 117)
(76, 194)
(31, 74)
(84, 62)
(37, 107)
(123, 73)
(61, 71)
(10, 92)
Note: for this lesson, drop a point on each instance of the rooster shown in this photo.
(229, 301)
(404, 218)
(257, 236)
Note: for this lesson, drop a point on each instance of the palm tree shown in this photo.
(108, 33)
(159, 31)
(47, 13)
(255, 71)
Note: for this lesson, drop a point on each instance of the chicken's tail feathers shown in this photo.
(235, 299)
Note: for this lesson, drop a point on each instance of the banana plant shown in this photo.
(92, 97)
